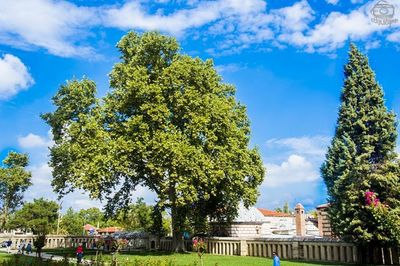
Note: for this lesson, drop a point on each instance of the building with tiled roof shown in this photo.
(269, 213)
(89, 227)
(109, 230)
(262, 223)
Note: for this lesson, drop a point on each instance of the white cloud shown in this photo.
(34, 141)
(56, 26)
(41, 187)
(293, 173)
(41, 174)
(231, 25)
(314, 145)
(372, 44)
(14, 76)
(333, 32)
(332, 2)
(229, 68)
(394, 37)
(133, 15)
(294, 18)
(297, 169)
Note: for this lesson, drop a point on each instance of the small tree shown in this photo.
(40, 217)
(284, 209)
(14, 180)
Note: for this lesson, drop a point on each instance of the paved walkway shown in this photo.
(46, 256)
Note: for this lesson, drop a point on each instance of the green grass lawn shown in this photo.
(150, 258)
(14, 260)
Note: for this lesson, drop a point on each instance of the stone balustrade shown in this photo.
(298, 248)
(308, 249)
(52, 241)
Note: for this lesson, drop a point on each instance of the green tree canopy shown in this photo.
(137, 217)
(71, 223)
(361, 171)
(169, 123)
(14, 180)
(93, 216)
(284, 209)
(39, 217)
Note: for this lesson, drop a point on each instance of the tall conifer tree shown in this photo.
(361, 170)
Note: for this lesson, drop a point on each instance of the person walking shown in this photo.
(29, 248)
(9, 243)
(20, 247)
(276, 259)
(79, 253)
(23, 247)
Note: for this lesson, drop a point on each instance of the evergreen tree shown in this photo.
(361, 171)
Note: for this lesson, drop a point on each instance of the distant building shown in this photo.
(278, 223)
(109, 230)
(90, 229)
(262, 223)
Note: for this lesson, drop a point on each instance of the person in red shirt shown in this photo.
(79, 253)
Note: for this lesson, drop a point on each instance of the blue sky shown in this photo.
(284, 57)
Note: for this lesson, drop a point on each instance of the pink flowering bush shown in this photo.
(371, 199)
(200, 246)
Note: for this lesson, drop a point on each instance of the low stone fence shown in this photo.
(166, 245)
(52, 241)
(315, 249)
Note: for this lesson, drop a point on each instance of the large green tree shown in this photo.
(39, 217)
(361, 170)
(14, 180)
(169, 123)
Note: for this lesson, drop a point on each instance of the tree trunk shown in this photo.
(395, 255)
(178, 243)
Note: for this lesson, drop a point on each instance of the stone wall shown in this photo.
(52, 241)
(245, 230)
(324, 224)
(322, 249)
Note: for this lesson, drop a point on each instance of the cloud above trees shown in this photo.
(231, 26)
(15, 76)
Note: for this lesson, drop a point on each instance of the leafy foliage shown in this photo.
(14, 180)
(169, 124)
(39, 217)
(361, 159)
(93, 216)
(137, 217)
(284, 209)
(71, 223)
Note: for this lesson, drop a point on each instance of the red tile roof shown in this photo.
(109, 229)
(88, 227)
(323, 206)
(269, 213)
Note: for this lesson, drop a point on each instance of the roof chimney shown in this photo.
(300, 220)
